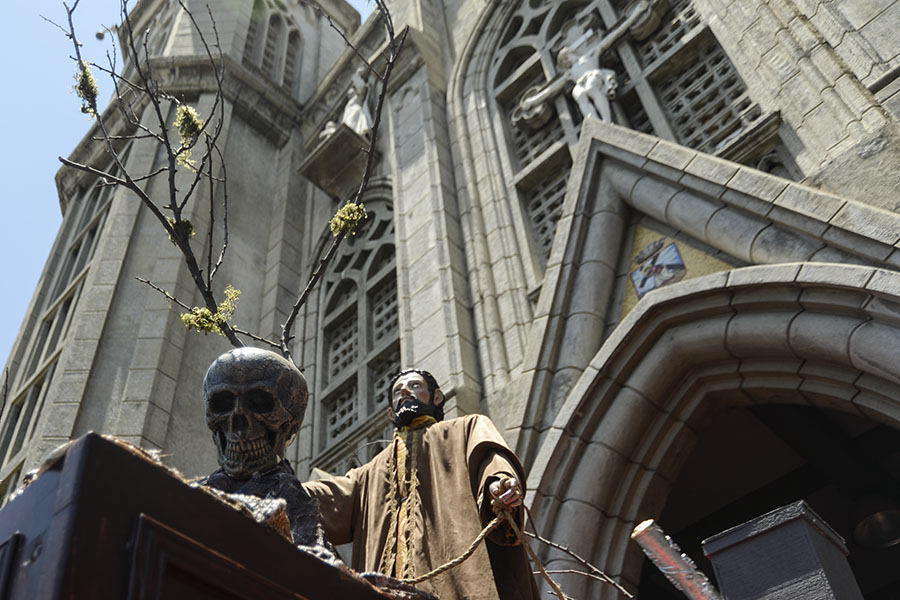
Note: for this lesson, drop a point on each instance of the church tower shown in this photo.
(100, 350)
(657, 242)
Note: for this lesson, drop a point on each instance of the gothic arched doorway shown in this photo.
(814, 335)
(749, 460)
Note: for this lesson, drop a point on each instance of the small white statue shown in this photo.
(594, 86)
(356, 113)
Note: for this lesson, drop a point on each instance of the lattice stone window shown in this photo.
(343, 343)
(360, 341)
(341, 411)
(273, 41)
(681, 21)
(529, 143)
(381, 371)
(291, 61)
(251, 41)
(385, 319)
(544, 209)
(706, 100)
(675, 82)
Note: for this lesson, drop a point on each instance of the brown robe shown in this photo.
(457, 460)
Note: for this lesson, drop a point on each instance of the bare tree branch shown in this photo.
(257, 338)
(130, 97)
(221, 258)
(597, 572)
(165, 293)
(341, 33)
(286, 336)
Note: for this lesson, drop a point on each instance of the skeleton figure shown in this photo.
(255, 400)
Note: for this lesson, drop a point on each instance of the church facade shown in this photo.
(658, 243)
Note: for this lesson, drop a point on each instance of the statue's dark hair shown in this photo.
(430, 381)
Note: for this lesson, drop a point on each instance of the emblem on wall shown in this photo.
(658, 265)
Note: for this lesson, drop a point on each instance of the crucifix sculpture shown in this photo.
(592, 85)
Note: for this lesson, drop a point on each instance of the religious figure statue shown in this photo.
(422, 501)
(592, 86)
(356, 113)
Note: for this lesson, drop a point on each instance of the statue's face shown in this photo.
(410, 398)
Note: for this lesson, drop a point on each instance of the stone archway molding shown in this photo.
(751, 216)
(821, 334)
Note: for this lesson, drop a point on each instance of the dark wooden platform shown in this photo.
(105, 523)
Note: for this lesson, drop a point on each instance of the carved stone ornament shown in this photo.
(255, 400)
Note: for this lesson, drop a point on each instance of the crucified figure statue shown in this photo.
(594, 86)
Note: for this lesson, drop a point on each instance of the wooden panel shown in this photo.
(168, 565)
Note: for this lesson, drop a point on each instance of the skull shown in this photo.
(255, 401)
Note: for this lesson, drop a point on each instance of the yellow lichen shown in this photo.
(183, 228)
(86, 88)
(347, 218)
(203, 319)
(189, 125)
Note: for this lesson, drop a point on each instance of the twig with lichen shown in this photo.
(190, 127)
(286, 336)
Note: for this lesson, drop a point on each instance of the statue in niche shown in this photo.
(593, 86)
(356, 113)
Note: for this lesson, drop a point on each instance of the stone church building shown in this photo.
(684, 306)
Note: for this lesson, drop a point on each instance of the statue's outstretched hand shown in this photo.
(507, 492)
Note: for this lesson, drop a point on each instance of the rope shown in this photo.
(502, 514)
(457, 561)
(533, 555)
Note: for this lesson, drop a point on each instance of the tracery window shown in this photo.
(360, 346)
(273, 44)
(160, 28)
(675, 82)
(31, 374)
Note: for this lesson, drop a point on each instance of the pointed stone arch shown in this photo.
(826, 335)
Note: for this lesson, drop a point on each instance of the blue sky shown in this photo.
(42, 122)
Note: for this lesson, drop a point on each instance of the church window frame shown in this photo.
(273, 44)
(361, 283)
(31, 372)
(525, 57)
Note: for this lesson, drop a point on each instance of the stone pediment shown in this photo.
(618, 173)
